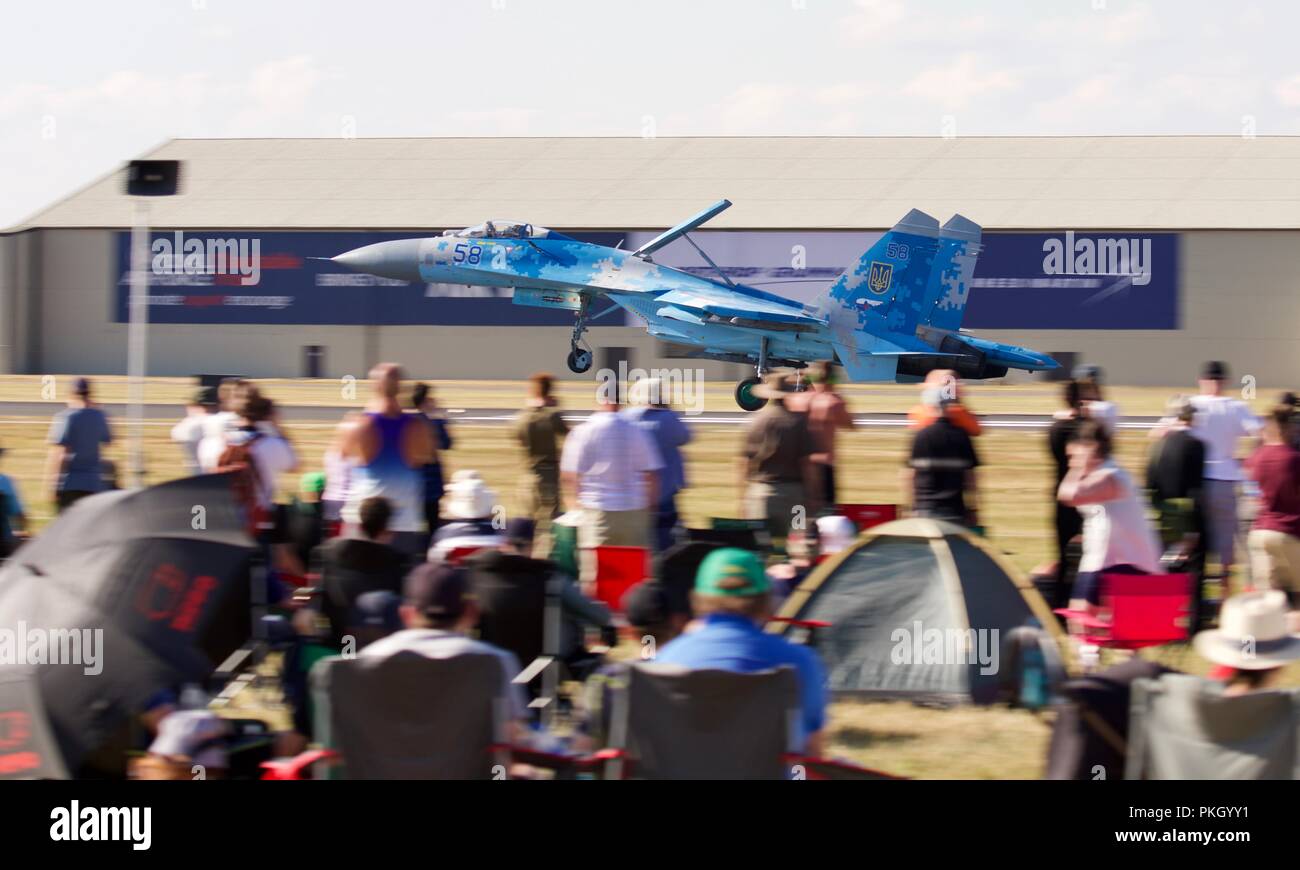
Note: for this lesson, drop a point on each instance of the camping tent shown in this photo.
(902, 602)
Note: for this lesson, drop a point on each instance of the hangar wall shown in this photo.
(1240, 301)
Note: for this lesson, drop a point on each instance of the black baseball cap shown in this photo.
(647, 604)
(81, 387)
(436, 590)
(1214, 370)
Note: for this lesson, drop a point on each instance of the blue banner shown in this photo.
(1063, 280)
(285, 278)
(1075, 280)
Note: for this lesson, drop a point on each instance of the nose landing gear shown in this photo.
(580, 358)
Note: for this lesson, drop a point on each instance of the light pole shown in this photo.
(144, 179)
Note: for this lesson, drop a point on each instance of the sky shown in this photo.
(85, 86)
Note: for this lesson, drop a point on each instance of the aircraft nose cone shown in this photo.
(399, 260)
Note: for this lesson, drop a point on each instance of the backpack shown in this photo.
(246, 481)
(1031, 671)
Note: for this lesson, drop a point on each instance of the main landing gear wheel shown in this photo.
(579, 360)
(745, 397)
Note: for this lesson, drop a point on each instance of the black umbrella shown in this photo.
(146, 588)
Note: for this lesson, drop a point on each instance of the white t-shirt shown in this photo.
(1220, 421)
(217, 424)
(1117, 532)
(188, 433)
(610, 454)
(435, 644)
(270, 453)
(1106, 413)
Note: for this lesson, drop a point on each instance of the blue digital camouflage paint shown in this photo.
(893, 315)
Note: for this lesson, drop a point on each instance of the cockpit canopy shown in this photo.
(505, 230)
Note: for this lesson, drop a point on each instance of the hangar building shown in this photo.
(1146, 255)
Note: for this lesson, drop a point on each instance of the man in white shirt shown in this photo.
(437, 610)
(1220, 421)
(189, 432)
(609, 468)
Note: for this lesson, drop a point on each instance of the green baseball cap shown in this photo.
(731, 572)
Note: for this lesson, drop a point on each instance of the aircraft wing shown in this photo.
(741, 310)
(682, 228)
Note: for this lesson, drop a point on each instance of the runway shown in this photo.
(316, 416)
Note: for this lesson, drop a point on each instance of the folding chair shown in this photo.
(618, 569)
(865, 516)
(407, 716)
(1183, 727)
(1137, 610)
(457, 555)
(675, 723)
(743, 532)
(28, 746)
(745, 539)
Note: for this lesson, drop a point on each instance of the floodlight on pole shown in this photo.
(144, 179)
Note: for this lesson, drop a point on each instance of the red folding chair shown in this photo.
(865, 516)
(1137, 610)
(618, 569)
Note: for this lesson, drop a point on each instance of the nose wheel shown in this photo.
(579, 360)
(745, 397)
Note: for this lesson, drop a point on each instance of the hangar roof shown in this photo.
(1112, 182)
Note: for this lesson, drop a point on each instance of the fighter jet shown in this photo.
(894, 315)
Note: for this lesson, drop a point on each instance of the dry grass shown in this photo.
(897, 737)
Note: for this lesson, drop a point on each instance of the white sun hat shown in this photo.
(470, 497)
(1252, 633)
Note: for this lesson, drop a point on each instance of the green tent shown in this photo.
(918, 609)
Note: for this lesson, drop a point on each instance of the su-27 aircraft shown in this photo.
(894, 315)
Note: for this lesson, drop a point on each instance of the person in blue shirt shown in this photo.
(75, 466)
(650, 411)
(13, 518)
(732, 600)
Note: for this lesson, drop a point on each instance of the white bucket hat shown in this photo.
(1252, 633)
(471, 499)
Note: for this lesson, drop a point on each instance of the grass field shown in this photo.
(898, 737)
